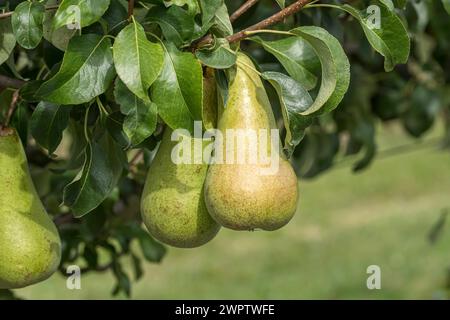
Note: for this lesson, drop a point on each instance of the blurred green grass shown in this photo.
(345, 223)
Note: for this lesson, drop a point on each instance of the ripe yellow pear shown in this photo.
(172, 205)
(30, 248)
(246, 196)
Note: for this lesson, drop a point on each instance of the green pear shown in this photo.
(172, 205)
(245, 195)
(30, 248)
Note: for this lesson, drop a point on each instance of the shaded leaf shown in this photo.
(141, 116)
(176, 23)
(48, 123)
(7, 39)
(294, 100)
(220, 56)
(102, 169)
(296, 56)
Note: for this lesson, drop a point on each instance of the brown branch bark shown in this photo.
(5, 15)
(7, 82)
(274, 19)
(244, 8)
(12, 108)
(130, 8)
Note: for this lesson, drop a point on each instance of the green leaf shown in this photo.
(86, 72)
(220, 56)
(296, 56)
(281, 3)
(102, 169)
(27, 22)
(141, 116)
(401, 3)
(59, 38)
(221, 23)
(79, 13)
(335, 68)
(391, 40)
(138, 61)
(176, 23)
(179, 88)
(7, 40)
(294, 100)
(152, 250)
(446, 4)
(48, 123)
(209, 9)
(20, 121)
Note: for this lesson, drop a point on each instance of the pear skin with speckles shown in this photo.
(172, 205)
(30, 247)
(244, 196)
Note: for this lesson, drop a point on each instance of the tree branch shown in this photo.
(5, 15)
(244, 8)
(130, 8)
(7, 82)
(274, 19)
(12, 107)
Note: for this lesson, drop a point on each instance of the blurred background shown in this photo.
(374, 182)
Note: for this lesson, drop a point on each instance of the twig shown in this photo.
(130, 8)
(9, 13)
(12, 107)
(137, 157)
(274, 19)
(244, 8)
(7, 82)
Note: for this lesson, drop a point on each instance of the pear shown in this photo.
(245, 195)
(172, 205)
(30, 248)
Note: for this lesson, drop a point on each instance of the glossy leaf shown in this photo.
(27, 21)
(7, 40)
(79, 13)
(102, 169)
(294, 100)
(220, 56)
(48, 123)
(335, 68)
(87, 71)
(179, 88)
(296, 56)
(137, 60)
(141, 116)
